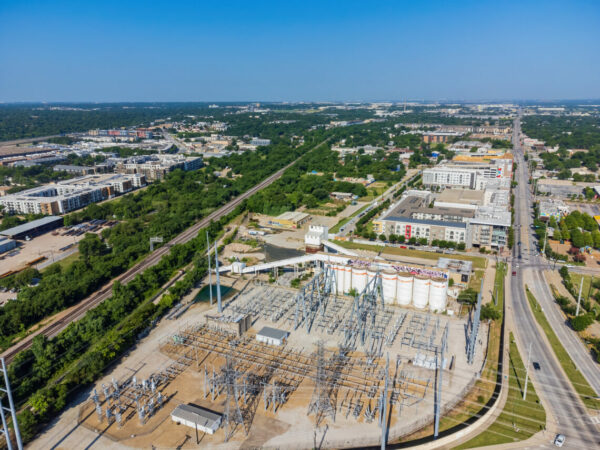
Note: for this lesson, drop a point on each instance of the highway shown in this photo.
(79, 310)
(566, 414)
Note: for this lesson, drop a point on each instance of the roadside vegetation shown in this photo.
(520, 419)
(581, 385)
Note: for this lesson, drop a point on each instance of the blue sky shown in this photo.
(298, 50)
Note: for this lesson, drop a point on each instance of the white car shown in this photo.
(559, 440)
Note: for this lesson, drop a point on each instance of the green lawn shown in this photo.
(520, 419)
(578, 381)
(587, 279)
(478, 262)
(65, 261)
(345, 220)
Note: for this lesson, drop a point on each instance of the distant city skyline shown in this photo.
(299, 51)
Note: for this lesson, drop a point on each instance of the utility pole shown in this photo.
(579, 298)
(209, 273)
(11, 408)
(220, 306)
(527, 372)
(384, 405)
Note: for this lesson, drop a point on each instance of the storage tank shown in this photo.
(404, 288)
(388, 281)
(437, 294)
(371, 273)
(359, 278)
(421, 292)
(339, 278)
(347, 278)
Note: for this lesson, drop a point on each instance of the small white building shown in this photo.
(197, 417)
(272, 336)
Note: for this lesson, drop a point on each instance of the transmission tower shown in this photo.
(233, 413)
(209, 272)
(438, 381)
(6, 390)
(219, 305)
(321, 404)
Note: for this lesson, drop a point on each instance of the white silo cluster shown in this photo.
(400, 288)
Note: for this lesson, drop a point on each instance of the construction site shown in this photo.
(341, 361)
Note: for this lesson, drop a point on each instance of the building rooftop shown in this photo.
(456, 265)
(24, 228)
(293, 216)
(196, 414)
(272, 333)
(465, 196)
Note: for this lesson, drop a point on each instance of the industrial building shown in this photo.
(6, 244)
(272, 336)
(69, 195)
(196, 417)
(290, 219)
(33, 228)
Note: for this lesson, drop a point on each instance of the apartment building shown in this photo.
(69, 195)
(156, 167)
(467, 175)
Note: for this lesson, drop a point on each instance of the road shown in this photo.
(566, 410)
(78, 311)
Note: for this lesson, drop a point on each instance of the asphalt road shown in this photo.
(566, 410)
(78, 311)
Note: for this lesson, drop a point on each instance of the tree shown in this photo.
(489, 312)
(588, 239)
(90, 246)
(577, 238)
(461, 246)
(596, 238)
(557, 236)
(581, 322)
(382, 237)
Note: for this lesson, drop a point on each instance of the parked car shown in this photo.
(514, 273)
(559, 440)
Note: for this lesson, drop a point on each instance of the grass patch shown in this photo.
(66, 261)
(345, 220)
(478, 262)
(585, 391)
(520, 419)
(587, 280)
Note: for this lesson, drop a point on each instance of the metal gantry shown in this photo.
(322, 404)
(472, 337)
(438, 381)
(313, 298)
(11, 409)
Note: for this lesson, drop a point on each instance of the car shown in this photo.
(536, 365)
(514, 273)
(559, 440)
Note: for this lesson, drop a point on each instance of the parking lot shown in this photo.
(48, 247)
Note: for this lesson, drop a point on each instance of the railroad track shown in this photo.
(79, 310)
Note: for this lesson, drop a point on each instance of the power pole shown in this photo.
(220, 306)
(209, 273)
(527, 372)
(11, 409)
(579, 298)
(438, 387)
(545, 240)
(384, 405)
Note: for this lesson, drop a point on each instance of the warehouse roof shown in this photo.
(24, 228)
(195, 414)
(272, 333)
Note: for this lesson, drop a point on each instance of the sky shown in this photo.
(307, 50)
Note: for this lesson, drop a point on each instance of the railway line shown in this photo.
(77, 311)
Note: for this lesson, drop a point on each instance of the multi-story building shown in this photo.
(68, 195)
(156, 167)
(456, 218)
(467, 175)
(258, 142)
